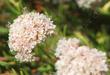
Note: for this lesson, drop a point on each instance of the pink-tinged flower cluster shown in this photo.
(26, 32)
(79, 60)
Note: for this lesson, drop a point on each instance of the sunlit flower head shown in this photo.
(26, 31)
(66, 45)
(88, 3)
(79, 60)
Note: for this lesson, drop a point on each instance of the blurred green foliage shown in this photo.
(92, 27)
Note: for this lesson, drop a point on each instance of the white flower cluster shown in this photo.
(26, 31)
(87, 3)
(79, 60)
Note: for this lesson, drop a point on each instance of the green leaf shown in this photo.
(14, 72)
(3, 30)
(5, 64)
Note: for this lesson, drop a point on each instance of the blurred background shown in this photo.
(88, 20)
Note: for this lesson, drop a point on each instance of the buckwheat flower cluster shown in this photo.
(26, 32)
(87, 3)
(79, 60)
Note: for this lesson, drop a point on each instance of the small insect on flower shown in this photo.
(79, 60)
(26, 32)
